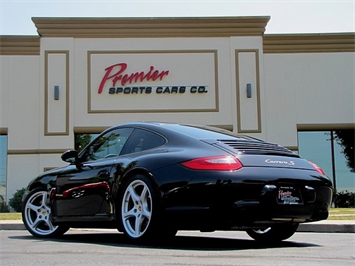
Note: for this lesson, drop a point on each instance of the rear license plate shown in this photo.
(288, 195)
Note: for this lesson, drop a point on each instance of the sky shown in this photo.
(286, 16)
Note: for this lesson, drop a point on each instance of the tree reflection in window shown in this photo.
(334, 152)
(108, 145)
(345, 139)
(82, 140)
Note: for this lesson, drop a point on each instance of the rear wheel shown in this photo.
(274, 233)
(137, 208)
(140, 213)
(37, 214)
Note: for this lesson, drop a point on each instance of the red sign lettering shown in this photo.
(116, 73)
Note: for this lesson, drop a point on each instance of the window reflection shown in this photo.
(3, 167)
(334, 152)
(107, 146)
(82, 140)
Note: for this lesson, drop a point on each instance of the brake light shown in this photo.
(216, 163)
(317, 168)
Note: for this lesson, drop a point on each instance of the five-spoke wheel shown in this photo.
(137, 208)
(36, 215)
(141, 217)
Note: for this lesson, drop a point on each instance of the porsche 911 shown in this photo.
(150, 179)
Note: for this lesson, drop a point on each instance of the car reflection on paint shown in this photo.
(153, 179)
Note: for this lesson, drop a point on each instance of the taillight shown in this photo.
(318, 169)
(216, 163)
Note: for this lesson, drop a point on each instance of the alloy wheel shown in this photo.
(136, 209)
(37, 214)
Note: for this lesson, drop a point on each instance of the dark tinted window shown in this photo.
(142, 140)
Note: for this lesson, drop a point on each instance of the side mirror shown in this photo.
(70, 156)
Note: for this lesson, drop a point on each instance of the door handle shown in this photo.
(81, 166)
(103, 174)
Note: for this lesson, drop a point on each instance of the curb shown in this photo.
(328, 226)
(12, 225)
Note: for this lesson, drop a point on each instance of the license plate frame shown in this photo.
(289, 196)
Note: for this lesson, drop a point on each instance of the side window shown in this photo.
(83, 139)
(108, 145)
(142, 140)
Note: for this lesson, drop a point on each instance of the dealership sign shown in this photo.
(116, 73)
(153, 82)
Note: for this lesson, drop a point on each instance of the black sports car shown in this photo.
(150, 180)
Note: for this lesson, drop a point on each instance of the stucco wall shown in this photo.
(308, 90)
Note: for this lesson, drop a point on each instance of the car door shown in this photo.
(83, 188)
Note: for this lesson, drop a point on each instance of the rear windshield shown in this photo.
(205, 132)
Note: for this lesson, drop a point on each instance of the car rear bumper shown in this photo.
(243, 215)
(265, 197)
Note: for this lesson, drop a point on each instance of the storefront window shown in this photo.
(334, 152)
(3, 167)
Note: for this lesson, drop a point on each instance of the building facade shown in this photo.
(82, 75)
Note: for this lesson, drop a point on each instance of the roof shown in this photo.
(150, 27)
(180, 27)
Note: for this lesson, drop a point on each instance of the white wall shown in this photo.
(21, 84)
(312, 88)
(20, 115)
(82, 46)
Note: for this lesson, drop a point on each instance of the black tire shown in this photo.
(140, 211)
(275, 233)
(36, 215)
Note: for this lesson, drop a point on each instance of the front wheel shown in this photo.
(36, 215)
(274, 233)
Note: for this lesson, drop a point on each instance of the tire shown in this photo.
(275, 233)
(140, 213)
(36, 215)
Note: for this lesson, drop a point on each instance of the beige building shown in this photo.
(82, 75)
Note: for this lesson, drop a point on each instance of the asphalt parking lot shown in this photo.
(107, 247)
